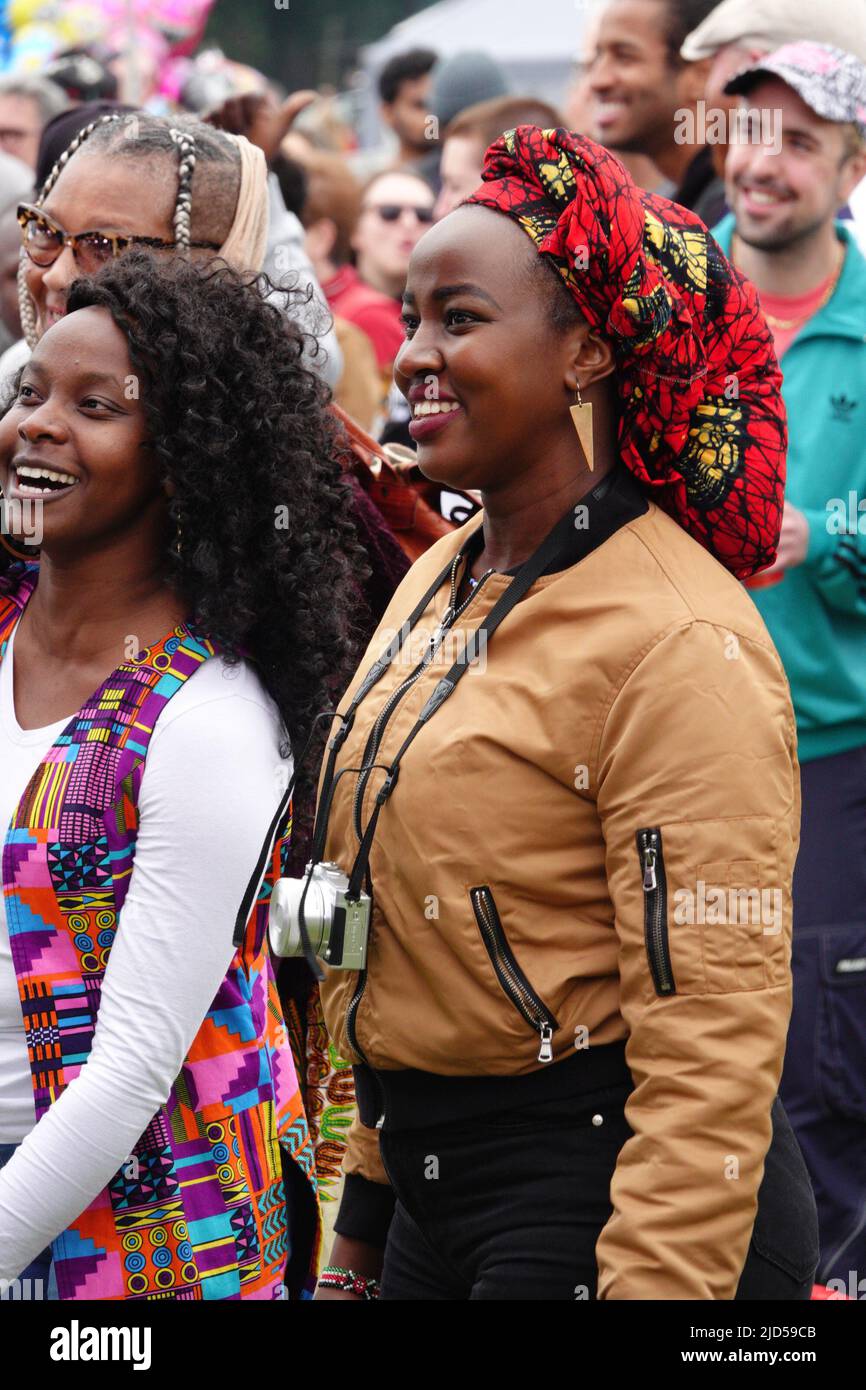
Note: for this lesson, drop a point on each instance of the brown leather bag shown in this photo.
(407, 500)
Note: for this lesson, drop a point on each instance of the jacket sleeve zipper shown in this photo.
(509, 974)
(655, 888)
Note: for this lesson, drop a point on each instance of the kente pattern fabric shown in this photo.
(702, 421)
(329, 1091)
(198, 1210)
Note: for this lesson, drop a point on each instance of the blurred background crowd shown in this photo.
(396, 118)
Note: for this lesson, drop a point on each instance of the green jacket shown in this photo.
(816, 614)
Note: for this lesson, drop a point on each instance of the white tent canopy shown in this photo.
(536, 43)
(512, 31)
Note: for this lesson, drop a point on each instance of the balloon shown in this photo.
(34, 31)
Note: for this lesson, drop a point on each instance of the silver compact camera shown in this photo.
(336, 926)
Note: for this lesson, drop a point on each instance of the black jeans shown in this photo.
(511, 1205)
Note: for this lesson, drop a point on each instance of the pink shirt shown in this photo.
(374, 313)
(800, 308)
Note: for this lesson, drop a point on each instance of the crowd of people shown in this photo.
(432, 675)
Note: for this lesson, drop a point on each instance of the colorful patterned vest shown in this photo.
(198, 1210)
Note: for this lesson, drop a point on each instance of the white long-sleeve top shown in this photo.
(212, 781)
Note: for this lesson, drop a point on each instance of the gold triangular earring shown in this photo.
(582, 416)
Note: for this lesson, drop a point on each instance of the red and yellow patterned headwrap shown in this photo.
(702, 418)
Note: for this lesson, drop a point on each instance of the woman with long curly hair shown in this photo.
(190, 614)
(181, 187)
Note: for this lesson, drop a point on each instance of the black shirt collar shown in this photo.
(616, 500)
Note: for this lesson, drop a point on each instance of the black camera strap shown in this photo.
(560, 538)
(255, 882)
(335, 743)
(565, 545)
(373, 676)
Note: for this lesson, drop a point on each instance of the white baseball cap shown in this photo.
(769, 24)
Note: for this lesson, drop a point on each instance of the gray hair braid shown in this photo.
(70, 150)
(26, 307)
(183, 207)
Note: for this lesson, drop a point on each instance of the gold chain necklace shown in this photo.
(785, 325)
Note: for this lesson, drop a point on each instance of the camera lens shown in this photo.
(284, 924)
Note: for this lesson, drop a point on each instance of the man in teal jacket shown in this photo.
(783, 235)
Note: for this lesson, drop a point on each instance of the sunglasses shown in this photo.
(391, 212)
(43, 240)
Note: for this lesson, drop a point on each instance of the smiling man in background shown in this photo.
(784, 236)
(739, 32)
(644, 96)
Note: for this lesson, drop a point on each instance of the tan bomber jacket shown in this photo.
(593, 839)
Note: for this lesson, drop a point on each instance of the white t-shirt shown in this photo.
(211, 784)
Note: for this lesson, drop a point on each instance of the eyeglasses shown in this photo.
(44, 239)
(391, 212)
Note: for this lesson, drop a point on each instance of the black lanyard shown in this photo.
(335, 743)
(526, 576)
(566, 542)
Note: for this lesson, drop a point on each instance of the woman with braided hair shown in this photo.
(190, 615)
(177, 186)
(565, 776)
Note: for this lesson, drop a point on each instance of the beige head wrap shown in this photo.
(245, 246)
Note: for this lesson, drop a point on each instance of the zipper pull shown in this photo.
(444, 624)
(648, 856)
(545, 1052)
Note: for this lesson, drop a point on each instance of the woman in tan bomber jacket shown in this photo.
(569, 781)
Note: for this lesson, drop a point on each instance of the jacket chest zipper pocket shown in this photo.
(509, 974)
(655, 909)
(352, 1013)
